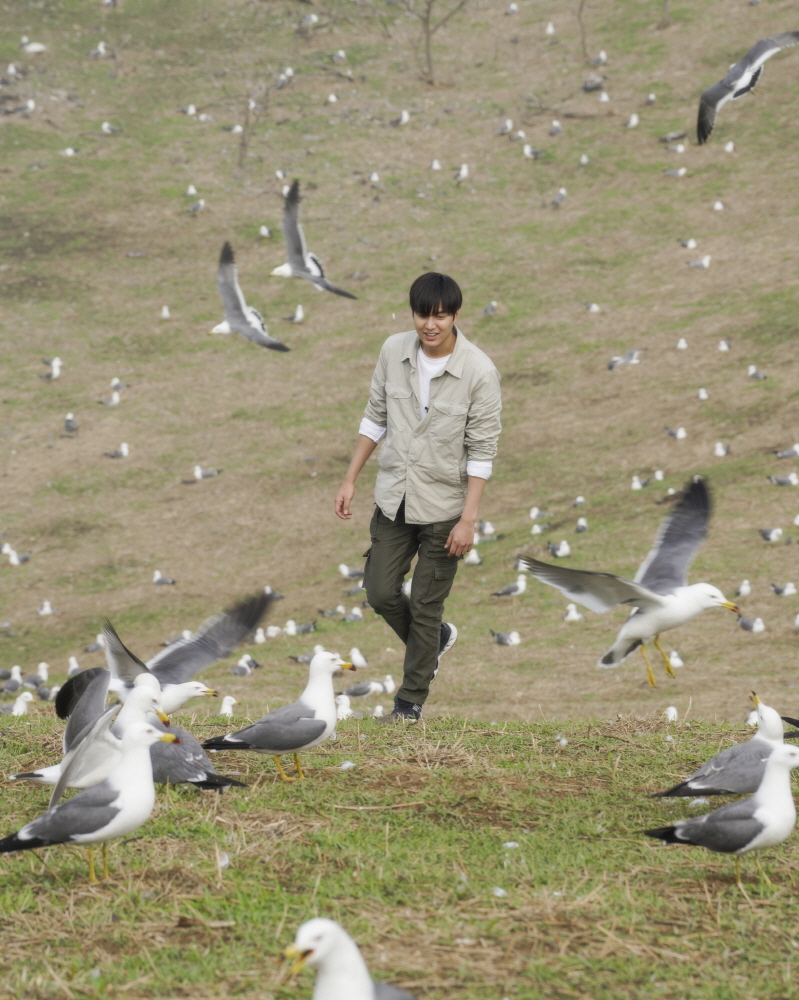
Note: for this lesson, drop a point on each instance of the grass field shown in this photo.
(93, 246)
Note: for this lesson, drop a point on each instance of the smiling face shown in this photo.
(436, 333)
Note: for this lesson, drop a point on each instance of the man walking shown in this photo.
(435, 398)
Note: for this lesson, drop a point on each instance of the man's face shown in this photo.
(436, 333)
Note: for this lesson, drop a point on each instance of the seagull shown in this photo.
(677, 172)
(162, 580)
(550, 29)
(721, 450)
(46, 609)
(739, 769)
(350, 572)
(70, 427)
(512, 9)
(632, 357)
(358, 660)
(14, 681)
(764, 820)
(356, 615)
(196, 207)
(112, 400)
(201, 473)
(301, 263)
(55, 370)
(702, 395)
(307, 657)
(725, 344)
(741, 78)
(703, 262)
(555, 128)
(592, 307)
(341, 971)
(491, 308)
(435, 165)
(559, 198)
(751, 624)
(560, 551)
(108, 129)
(506, 127)
(31, 48)
(121, 452)
(506, 638)
(744, 589)
(333, 612)
(718, 206)
(472, 558)
(676, 660)
(679, 434)
(785, 590)
(238, 315)
(792, 479)
(404, 118)
(632, 121)
(530, 153)
(572, 614)
(770, 534)
(344, 709)
(463, 173)
(116, 806)
(364, 688)
(582, 525)
(306, 723)
(792, 452)
(19, 706)
(226, 708)
(689, 244)
(660, 595)
(513, 589)
(297, 316)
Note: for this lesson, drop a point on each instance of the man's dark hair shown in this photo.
(434, 292)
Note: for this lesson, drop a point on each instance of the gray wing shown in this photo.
(510, 589)
(283, 731)
(326, 285)
(677, 542)
(81, 701)
(95, 751)
(123, 664)
(383, 991)
(235, 307)
(737, 770)
(359, 690)
(263, 339)
(709, 102)
(215, 639)
(179, 762)
(725, 830)
(296, 249)
(597, 591)
(86, 812)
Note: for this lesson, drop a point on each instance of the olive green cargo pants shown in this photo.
(416, 620)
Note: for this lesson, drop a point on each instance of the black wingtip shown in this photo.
(293, 197)
(226, 256)
(667, 833)
(277, 347)
(72, 691)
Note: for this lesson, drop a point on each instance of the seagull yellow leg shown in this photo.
(738, 873)
(763, 875)
(649, 671)
(299, 769)
(92, 876)
(666, 663)
(105, 860)
(283, 774)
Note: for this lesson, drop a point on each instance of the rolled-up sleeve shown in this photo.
(375, 411)
(483, 423)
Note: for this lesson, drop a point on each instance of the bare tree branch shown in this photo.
(580, 7)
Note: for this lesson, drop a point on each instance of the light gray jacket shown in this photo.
(424, 460)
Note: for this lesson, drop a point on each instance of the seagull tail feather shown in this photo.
(619, 651)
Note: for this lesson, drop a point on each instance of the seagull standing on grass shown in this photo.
(116, 807)
(238, 315)
(742, 78)
(301, 263)
(660, 594)
(513, 589)
(764, 820)
(306, 723)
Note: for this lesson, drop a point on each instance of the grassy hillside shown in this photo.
(93, 245)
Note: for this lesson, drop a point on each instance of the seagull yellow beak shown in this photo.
(730, 606)
(168, 738)
(210, 693)
(754, 699)
(346, 666)
(162, 717)
(296, 957)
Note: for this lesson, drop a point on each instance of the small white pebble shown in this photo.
(563, 742)
(671, 713)
(509, 845)
(348, 765)
(499, 893)
(669, 739)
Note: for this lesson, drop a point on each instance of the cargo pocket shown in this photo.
(440, 581)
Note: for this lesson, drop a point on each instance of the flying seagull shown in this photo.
(238, 315)
(742, 78)
(660, 594)
(301, 263)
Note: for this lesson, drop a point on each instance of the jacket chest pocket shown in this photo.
(396, 391)
(449, 418)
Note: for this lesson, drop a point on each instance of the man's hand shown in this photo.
(344, 499)
(461, 539)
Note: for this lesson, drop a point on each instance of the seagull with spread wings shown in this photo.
(660, 594)
(741, 79)
(239, 316)
(301, 263)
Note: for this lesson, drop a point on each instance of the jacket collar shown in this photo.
(456, 360)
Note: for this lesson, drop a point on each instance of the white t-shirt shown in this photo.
(428, 369)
